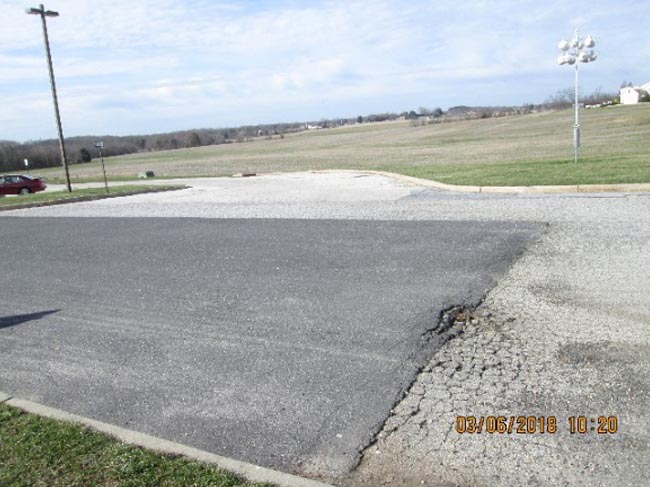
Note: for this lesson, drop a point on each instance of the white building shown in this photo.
(631, 95)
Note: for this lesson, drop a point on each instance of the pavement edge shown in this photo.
(251, 472)
(571, 188)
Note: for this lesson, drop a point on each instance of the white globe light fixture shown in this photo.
(574, 52)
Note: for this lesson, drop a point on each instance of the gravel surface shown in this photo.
(350, 196)
(566, 332)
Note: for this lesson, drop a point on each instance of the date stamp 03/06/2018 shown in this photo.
(529, 425)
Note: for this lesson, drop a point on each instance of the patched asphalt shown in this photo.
(280, 342)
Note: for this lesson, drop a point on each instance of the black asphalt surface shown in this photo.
(280, 342)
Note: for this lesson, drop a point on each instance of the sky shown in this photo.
(126, 67)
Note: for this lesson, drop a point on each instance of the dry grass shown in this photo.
(545, 139)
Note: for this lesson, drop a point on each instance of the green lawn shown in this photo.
(524, 149)
(592, 170)
(45, 198)
(36, 451)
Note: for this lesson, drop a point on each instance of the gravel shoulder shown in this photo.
(565, 333)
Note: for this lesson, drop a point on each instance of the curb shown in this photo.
(570, 188)
(251, 472)
(79, 199)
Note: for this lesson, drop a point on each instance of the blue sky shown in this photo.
(134, 67)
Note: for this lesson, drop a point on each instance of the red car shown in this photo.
(20, 184)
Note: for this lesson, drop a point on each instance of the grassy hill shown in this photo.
(517, 150)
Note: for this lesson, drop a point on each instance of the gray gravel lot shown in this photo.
(565, 332)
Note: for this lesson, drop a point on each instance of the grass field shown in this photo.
(36, 451)
(518, 150)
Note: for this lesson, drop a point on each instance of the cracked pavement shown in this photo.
(566, 332)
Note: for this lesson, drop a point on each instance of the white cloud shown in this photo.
(308, 73)
(150, 59)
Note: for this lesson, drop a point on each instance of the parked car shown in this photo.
(20, 184)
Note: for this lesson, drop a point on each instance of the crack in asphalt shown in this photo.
(483, 363)
(449, 325)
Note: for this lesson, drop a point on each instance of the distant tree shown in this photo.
(381, 117)
(438, 112)
(359, 119)
(192, 140)
(597, 97)
(219, 139)
(561, 99)
(83, 155)
(10, 153)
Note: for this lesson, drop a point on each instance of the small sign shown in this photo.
(26, 163)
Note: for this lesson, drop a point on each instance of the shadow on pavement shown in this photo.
(7, 321)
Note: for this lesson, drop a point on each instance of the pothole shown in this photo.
(451, 323)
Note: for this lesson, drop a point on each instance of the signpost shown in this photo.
(100, 145)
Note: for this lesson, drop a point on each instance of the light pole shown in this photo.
(576, 51)
(100, 145)
(49, 13)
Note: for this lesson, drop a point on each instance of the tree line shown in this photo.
(45, 153)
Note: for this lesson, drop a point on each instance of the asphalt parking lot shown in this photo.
(565, 331)
(279, 342)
